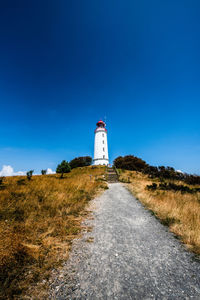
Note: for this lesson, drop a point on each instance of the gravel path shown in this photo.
(132, 256)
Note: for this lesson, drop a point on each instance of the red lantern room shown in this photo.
(101, 124)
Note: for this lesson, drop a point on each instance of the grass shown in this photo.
(179, 211)
(39, 218)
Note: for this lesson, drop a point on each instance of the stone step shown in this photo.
(112, 175)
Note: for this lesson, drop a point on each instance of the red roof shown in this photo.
(101, 122)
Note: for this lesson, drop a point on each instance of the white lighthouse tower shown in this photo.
(100, 145)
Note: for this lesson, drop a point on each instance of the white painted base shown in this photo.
(100, 162)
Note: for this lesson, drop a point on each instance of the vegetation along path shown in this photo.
(129, 254)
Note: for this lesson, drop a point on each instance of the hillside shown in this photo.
(174, 202)
(39, 218)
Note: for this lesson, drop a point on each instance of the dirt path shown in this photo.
(132, 256)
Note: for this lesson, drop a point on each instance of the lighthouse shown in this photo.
(100, 144)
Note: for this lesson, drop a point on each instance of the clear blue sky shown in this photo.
(66, 64)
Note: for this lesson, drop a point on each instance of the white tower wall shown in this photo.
(100, 147)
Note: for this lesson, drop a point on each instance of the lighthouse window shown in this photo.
(103, 156)
(103, 149)
(102, 134)
(103, 141)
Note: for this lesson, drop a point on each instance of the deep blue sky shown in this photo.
(66, 64)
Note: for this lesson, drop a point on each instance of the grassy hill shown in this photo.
(39, 218)
(174, 202)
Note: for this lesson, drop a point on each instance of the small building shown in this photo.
(100, 145)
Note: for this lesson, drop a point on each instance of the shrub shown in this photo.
(63, 167)
(29, 174)
(175, 187)
(2, 186)
(81, 161)
(163, 173)
(43, 172)
(152, 187)
(172, 187)
(134, 163)
(130, 162)
(192, 179)
(21, 181)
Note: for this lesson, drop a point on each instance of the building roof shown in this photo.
(101, 122)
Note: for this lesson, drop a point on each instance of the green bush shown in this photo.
(29, 174)
(133, 163)
(192, 179)
(172, 187)
(43, 172)
(130, 162)
(63, 167)
(82, 161)
(152, 187)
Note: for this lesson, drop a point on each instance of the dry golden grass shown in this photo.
(38, 221)
(181, 212)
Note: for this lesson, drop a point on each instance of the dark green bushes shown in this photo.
(63, 167)
(43, 172)
(134, 163)
(172, 187)
(152, 187)
(82, 161)
(29, 174)
(169, 173)
(192, 179)
(1, 180)
(130, 162)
